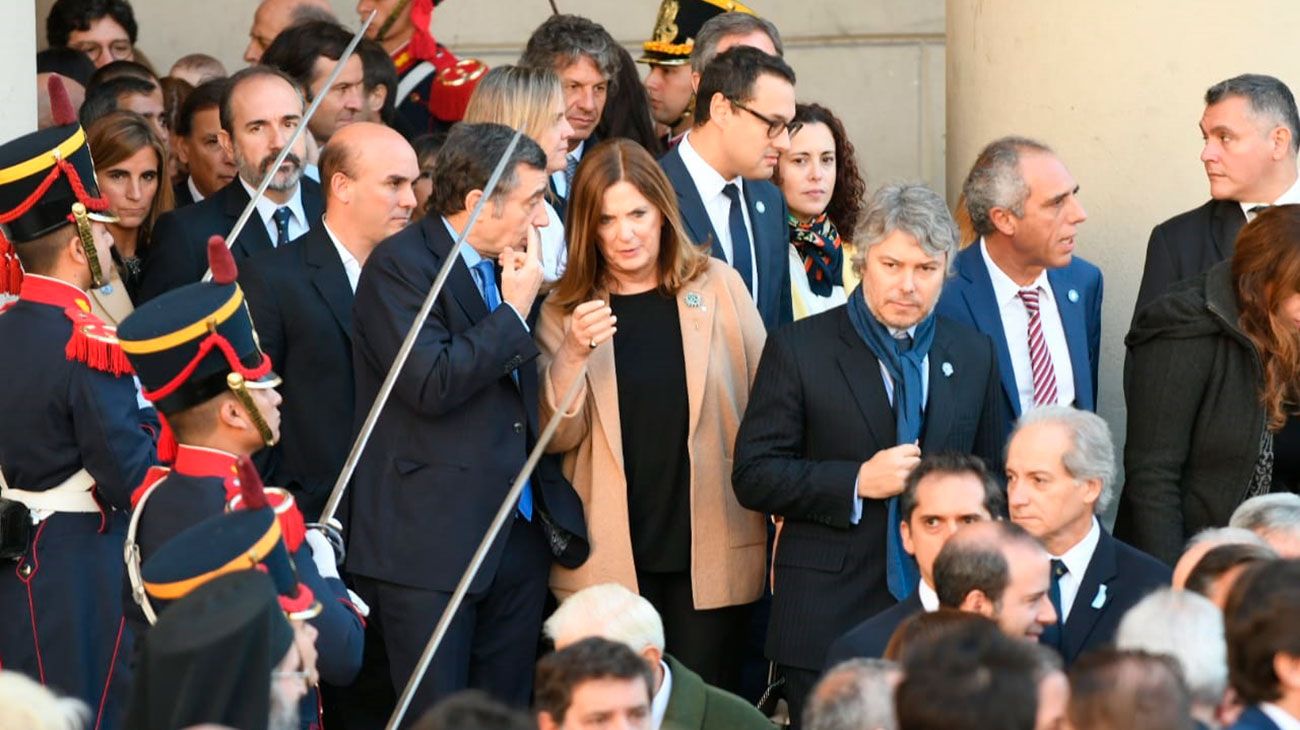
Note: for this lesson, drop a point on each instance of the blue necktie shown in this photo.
(1052, 634)
(485, 272)
(282, 216)
(741, 257)
(901, 573)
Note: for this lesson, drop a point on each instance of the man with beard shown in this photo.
(260, 108)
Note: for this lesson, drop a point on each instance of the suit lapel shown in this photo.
(1084, 613)
(328, 276)
(253, 239)
(312, 204)
(694, 215)
(1071, 309)
(695, 311)
(1228, 222)
(942, 391)
(987, 315)
(761, 215)
(861, 370)
(460, 282)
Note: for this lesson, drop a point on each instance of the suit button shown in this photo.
(519, 428)
(25, 570)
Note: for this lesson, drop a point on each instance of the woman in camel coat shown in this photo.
(665, 341)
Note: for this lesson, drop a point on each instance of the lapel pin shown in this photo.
(760, 207)
(694, 301)
(1100, 599)
(106, 289)
(1072, 295)
(947, 369)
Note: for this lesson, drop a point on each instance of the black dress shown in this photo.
(1286, 456)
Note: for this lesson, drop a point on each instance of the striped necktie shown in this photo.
(1039, 357)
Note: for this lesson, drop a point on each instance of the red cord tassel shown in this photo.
(11, 270)
(166, 441)
(101, 355)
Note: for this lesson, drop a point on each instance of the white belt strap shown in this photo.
(413, 79)
(131, 555)
(73, 495)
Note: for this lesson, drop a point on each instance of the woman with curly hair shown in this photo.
(1213, 390)
(823, 190)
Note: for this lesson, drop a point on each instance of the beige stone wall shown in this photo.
(1116, 87)
(877, 63)
(18, 82)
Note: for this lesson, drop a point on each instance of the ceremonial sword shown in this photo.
(293, 138)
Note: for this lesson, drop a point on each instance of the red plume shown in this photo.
(61, 110)
(423, 44)
(221, 262)
(250, 484)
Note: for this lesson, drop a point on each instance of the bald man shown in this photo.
(300, 296)
(273, 16)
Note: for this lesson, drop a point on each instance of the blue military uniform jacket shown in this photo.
(62, 415)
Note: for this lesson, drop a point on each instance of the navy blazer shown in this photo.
(456, 429)
(1077, 288)
(301, 302)
(869, 639)
(767, 214)
(818, 409)
(179, 254)
(1253, 718)
(1128, 575)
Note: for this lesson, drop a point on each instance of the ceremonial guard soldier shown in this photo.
(197, 356)
(433, 86)
(669, 85)
(74, 439)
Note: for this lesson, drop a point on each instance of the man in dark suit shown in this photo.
(721, 172)
(196, 140)
(457, 430)
(1095, 577)
(843, 405)
(260, 108)
(1264, 645)
(585, 57)
(1021, 283)
(944, 492)
(301, 298)
(1251, 130)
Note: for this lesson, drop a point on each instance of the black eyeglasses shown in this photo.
(774, 126)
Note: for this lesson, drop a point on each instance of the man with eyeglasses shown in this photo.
(104, 30)
(722, 167)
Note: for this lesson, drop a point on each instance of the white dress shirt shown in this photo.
(659, 705)
(1280, 717)
(557, 177)
(929, 599)
(709, 184)
(1015, 325)
(351, 266)
(266, 213)
(1076, 561)
(555, 252)
(194, 189)
(1291, 196)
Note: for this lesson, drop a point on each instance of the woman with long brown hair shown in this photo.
(666, 340)
(1213, 391)
(132, 167)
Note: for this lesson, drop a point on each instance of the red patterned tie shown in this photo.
(1039, 357)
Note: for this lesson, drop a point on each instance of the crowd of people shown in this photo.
(809, 455)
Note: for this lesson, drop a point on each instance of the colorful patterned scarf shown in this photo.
(822, 251)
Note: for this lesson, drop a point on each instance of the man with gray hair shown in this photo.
(1251, 129)
(1060, 475)
(857, 694)
(1273, 517)
(583, 54)
(1205, 541)
(1021, 283)
(728, 30)
(843, 405)
(682, 700)
(1189, 628)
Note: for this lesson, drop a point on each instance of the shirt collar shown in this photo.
(194, 189)
(344, 254)
(659, 706)
(467, 252)
(1280, 717)
(709, 181)
(1076, 559)
(929, 599)
(576, 152)
(1292, 195)
(1004, 289)
(266, 207)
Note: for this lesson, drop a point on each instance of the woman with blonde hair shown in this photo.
(530, 99)
(132, 167)
(1213, 391)
(666, 341)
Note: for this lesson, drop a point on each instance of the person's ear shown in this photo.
(1281, 138)
(472, 198)
(1003, 220)
(341, 187)
(546, 722)
(232, 415)
(905, 531)
(977, 602)
(1091, 490)
(652, 654)
(227, 143)
(75, 250)
(719, 108)
(181, 149)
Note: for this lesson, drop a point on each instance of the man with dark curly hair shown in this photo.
(104, 30)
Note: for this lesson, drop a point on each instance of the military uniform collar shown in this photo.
(198, 461)
(54, 292)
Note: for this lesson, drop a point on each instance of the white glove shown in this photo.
(362, 607)
(322, 554)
